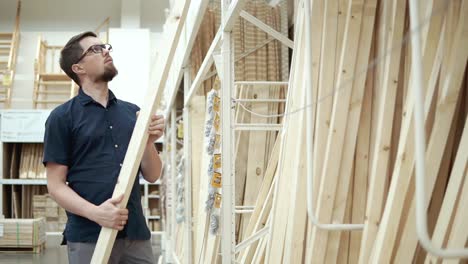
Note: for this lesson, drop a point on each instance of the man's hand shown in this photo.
(108, 214)
(156, 128)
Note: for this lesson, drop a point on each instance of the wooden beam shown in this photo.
(450, 88)
(336, 137)
(270, 31)
(326, 80)
(288, 159)
(403, 171)
(384, 130)
(191, 28)
(140, 135)
(442, 229)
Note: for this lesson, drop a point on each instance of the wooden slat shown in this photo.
(404, 168)
(140, 135)
(445, 110)
(197, 113)
(384, 130)
(262, 204)
(350, 138)
(326, 86)
(288, 159)
(361, 167)
(336, 137)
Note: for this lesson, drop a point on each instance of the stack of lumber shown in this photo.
(25, 235)
(31, 166)
(257, 59)
(363, 147)
(55, 216)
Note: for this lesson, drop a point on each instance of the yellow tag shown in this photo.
(180, 130)
(217, 200)
(216, 180)
(217, 161)
(217, 120)
(7, 80)
(216, 84)
(217, 144)
(216, 103)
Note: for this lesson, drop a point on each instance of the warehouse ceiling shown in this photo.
(73, 15)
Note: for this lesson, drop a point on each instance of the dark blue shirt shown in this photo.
(92, 141)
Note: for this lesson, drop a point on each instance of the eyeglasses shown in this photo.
(99, 48)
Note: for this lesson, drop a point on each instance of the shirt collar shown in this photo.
(86, 99)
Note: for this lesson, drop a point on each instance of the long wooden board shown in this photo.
(140, 135)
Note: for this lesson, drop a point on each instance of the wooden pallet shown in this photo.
(36, 249)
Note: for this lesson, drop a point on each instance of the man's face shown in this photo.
(99, 67)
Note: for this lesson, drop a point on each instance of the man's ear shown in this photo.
(76, 68)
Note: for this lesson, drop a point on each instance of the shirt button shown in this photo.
(121, 164)
(110, 127)
(116, 146)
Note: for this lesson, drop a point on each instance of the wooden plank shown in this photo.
(384, 130)
(197, 113)
(449, 204)
(459, 232)
(297, 213)
(343, 252)
(287, 161)
(336, 137)
(405, 163)
(316, 31)
(256, 154)
(445, 111)
(263, 203)
(326, 81)
(241, 148)
(354, 113)
(269, 30)
(140, 135)
(202, 215)
(361, 169)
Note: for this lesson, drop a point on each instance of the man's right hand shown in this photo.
(108, 214)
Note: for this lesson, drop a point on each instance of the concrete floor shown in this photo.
(53, 254)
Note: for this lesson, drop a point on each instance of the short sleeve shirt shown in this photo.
(92, 141)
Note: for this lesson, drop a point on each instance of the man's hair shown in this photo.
(71, 53)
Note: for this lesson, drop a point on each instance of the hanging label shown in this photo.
(216, 122)
(216, 180)
(216, 104)
(217, 200)
(217, 144)
(217, 161)
(180, 130)
(7, 80)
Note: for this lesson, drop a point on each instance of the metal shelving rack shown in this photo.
(230, 11)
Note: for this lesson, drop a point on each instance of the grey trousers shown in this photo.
(124, 251)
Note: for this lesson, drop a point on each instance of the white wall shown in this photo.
(132, 58)
(58, 20)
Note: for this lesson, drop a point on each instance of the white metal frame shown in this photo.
(420, 144)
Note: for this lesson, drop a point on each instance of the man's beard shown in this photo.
(109, 73)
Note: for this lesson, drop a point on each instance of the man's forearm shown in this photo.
(71, 201)
(151, 163)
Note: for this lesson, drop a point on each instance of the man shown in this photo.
(85, 143)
